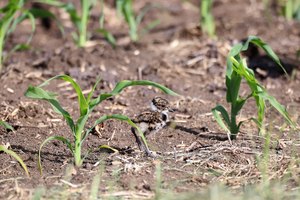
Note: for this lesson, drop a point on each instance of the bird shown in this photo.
(151, 121)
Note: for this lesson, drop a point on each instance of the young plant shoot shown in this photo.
(86, 106)
(79, 21)
(207, 20)
(12, 14)
(15, 156)
(236, 71)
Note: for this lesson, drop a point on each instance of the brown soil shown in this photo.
(176, 54)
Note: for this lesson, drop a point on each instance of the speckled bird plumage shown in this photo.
(151, 121)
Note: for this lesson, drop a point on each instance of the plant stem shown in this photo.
(77, 150)
(233, 126)
(84, 20)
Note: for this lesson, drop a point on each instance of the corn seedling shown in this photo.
(108, 36)
(79, 21)
(207, 19)
(124, 7)
(15, 156)
(86, 106)
(290, 9)
(11, 15)
(236, 71)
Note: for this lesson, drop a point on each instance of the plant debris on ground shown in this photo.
(195, 158)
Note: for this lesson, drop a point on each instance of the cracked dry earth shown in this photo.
(193, 153)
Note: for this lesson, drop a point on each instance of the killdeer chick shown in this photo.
(151, 121)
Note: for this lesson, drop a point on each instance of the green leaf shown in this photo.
(15, 156)
(216, 112)
(280, 108)
(207, 19)
(108, 147)
(126, 83)
(118, 117)
(241, 69)
(51, 2)
(44, 13)
(6, 125)
(83, 106)
(130, 19)
(59, 138)
(233, 83)
(90, 95)
(108, 36)
(238, 105)
(237, 49)
(151, 25)
(39, 93)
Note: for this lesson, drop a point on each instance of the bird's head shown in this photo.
(161, 105)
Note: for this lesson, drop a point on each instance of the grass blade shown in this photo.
(15, 156)
(6, 125)
(59, 138)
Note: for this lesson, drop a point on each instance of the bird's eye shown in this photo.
(164, 117)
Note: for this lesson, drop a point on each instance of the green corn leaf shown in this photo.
(151, 25)
(83, 106)
(6, 125)
(118, 117)
(238, 105)
(52, 2)
(237, 49)
(280, 108)
(216, 112)
(25, 15)
(257, 122)
(43, 13)
(108, 36)
(15, 156)
(9, 13)
(126, 83)
(140, 16)
(129, 17)
(39, 93)
(233, 83)
(207, 19)
(59, 138)
(243, 71)
(108, 147)
(90, 95)
(75, 18)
